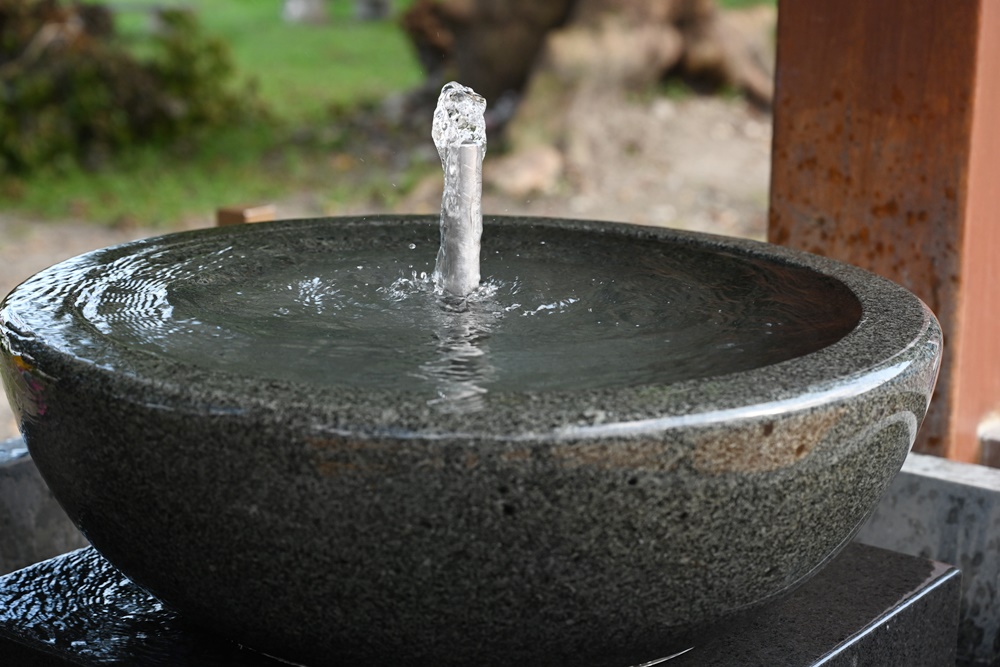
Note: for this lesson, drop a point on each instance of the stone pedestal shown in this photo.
(868, 607)
(950, 511)
(32, 525)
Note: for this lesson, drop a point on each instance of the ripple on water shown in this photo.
(562, 316)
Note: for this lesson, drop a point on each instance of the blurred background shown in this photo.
(125, 119)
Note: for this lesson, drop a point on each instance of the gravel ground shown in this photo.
(700, 163)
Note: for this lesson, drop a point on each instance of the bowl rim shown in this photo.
(896, 337)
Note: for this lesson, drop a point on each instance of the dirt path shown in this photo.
(700, 164)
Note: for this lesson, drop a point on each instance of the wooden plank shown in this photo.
(876, 111)
(238, 215)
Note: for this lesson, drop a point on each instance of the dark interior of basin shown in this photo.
(349, 304)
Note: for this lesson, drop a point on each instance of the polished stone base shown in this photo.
(950, 511)
(869, 607)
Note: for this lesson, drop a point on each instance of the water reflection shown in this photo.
(462, 368)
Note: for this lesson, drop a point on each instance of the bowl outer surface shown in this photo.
(598, 525)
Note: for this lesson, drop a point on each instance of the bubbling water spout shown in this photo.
(459, 132)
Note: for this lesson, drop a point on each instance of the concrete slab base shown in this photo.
(868, 608)
(950, 512)
(32, 525)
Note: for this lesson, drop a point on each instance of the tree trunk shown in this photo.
(559, 59)
(497, 46)
(489, 45)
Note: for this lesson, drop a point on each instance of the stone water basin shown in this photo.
(631, 434)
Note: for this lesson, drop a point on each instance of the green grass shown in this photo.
(248, 165)
(300, 70)
(299, 73)
(152, 186)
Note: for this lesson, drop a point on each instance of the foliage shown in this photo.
(312, 79)
(335, 168)
(299, 70)
(71, 92)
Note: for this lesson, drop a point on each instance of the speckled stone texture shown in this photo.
(868, 608)
(341, 526)
(950, 511)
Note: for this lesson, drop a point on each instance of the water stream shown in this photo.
(459, 132)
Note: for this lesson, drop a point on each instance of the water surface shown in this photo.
(558, 310)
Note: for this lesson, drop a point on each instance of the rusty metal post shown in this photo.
(887, 155)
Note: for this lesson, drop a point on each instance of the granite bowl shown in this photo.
(587, 520)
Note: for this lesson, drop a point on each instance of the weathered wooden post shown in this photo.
(238, 215)
(887, 155)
